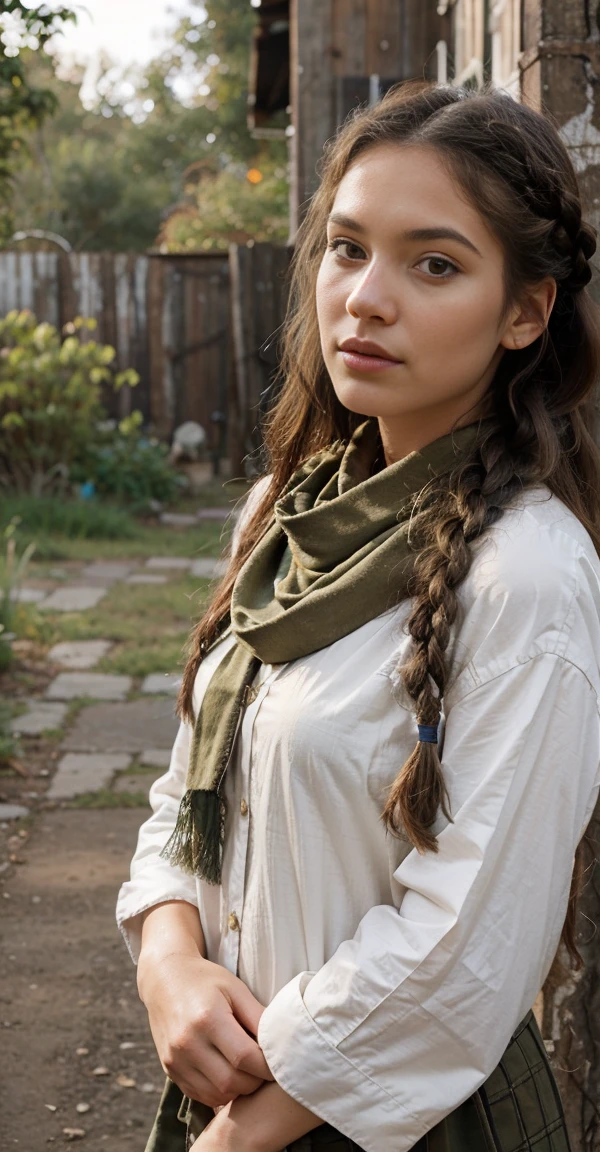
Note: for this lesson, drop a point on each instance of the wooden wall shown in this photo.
(170, 318)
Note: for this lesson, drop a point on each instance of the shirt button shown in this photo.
(233, 922)
(243, 808)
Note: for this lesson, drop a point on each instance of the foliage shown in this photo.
(127, 466)
(50, 396)
(23, 104)
(228, 207)
(108, 177)
(12, 571)
(43, 516)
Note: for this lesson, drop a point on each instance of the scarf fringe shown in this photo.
(195, 845)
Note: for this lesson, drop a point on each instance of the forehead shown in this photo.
(398, 187)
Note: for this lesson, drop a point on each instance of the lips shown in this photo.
(366, 348)
(366, 356)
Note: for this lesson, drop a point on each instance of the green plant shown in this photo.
(129, 467)
(75, 519)
(50, 397)
(12, 571)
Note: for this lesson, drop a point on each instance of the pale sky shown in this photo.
(131, 31)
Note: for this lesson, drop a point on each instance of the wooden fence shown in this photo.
(192, 327)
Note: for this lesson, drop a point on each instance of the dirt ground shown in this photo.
(72, 1029)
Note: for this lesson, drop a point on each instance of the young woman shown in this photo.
(358, 868)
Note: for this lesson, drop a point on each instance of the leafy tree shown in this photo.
(22, 103)
(161, 151)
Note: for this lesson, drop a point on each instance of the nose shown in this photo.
(373, 296)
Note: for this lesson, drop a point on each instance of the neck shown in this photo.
(412, 431)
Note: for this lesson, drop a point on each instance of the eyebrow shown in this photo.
(413, 234)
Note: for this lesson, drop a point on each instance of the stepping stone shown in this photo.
(41, 716)
(134, 782)
(13, 811)
(177, 519)
(29, 595)
(213, 513)
(129, 727)
(207, 568)
(146, 578)
(78, 773)
(175, 562)
(156, 757)
(73, 599)
(70, 685)
(107, 572)
(79, 653)
(161, 682)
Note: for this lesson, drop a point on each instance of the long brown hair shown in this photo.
(510, 162)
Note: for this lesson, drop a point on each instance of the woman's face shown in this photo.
(411, 266)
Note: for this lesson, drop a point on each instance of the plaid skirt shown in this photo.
(517, 1109)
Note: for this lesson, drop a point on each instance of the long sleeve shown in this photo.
(410, 1015)
(154, 879)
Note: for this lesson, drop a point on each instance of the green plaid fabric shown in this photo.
(518, 1109)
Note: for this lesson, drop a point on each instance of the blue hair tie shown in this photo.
(428, 733)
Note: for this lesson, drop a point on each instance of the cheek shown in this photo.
(330, 299)
(461, 323)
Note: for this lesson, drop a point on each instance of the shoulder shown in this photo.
(247, 508)
(533, 587)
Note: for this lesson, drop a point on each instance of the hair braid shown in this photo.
(458, 510)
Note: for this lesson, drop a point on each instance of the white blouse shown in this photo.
(392, 980)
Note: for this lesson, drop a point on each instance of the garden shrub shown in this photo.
(127, 466)
(50, 399)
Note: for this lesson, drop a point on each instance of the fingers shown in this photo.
(240, 1050)
(208, 1076)
(226, 1078)
(197, 1087)
(246, 1007)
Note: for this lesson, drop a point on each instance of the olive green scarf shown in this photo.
(336, 555)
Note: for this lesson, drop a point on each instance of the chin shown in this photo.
(369, 400)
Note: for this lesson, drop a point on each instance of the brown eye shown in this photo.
(438, 267)
(346, 249)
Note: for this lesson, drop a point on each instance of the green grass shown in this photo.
(78, 519)
(207, 539)
(149, 624)
(68, 529)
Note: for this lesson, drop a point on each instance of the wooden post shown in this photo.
(311, 91)
(238, 407)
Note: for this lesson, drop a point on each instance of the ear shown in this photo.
(528, 319)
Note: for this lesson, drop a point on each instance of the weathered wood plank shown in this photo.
(169, 318)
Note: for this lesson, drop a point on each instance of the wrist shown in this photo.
(168, 930)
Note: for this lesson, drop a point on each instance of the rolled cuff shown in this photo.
(132, 903)
(317, 1075)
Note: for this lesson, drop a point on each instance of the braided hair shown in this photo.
(512, 165)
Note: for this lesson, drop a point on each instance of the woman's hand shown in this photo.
(203, 1019)
(267, 1121)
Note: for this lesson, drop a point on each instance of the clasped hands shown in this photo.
(204, 1021)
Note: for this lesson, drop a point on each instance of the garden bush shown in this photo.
(50, 399)
(123, 464)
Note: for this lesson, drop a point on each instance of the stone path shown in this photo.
(114, 741)
(79, 654)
